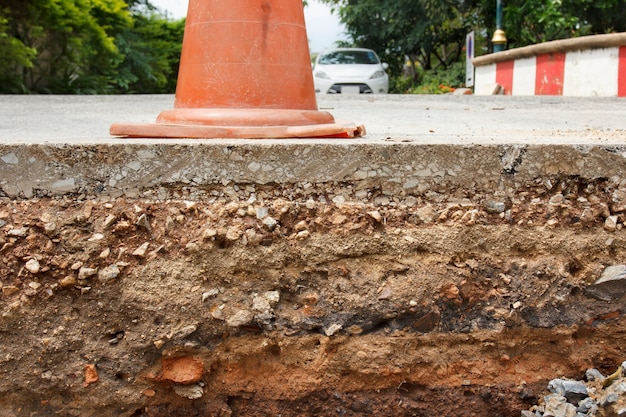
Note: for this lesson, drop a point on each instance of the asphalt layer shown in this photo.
(424, 119)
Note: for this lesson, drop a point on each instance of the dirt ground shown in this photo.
(267, 303)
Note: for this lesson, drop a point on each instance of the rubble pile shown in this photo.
(597, 395)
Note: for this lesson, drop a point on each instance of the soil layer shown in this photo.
(263, 302)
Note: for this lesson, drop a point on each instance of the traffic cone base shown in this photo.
(245, 117)
(245, 72)
(199, 131)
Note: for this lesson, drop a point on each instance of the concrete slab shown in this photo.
(425, 119)
(53, 145)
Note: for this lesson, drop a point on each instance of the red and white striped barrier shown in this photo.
(583, 67)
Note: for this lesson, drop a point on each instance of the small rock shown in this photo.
(557, 199)
(382, 201)
(109, 273)
(143, 222)
(108, 221)
(91, 375)
(427, 214)
(192, 392)
(50, 228)
(233, 233)
(218, 313)
(594, 375)
(339, 199)
(305, 234)
(494, 207)
(410, 184)
(610, 224)
(85, 272)
(270, 223)
(190, 206)
(587, 405)
(385, 294)
(240, 318)
(181, 370)
(184, 332)
(33, 266)
(262, 212)
(450, 291)
(272, 297)
(552, 223)
(68, 281)
(573, 391)
(209, 234)
(301, 226)
(587, 216)
(610, 285)
(618, 196)
(332, 329)
(375, 215)
(19, 232)
(557, 406)
(260, 304)
(338, 218)
(96, 237)
(140, 252)
(211, 293)
(428, 321)
(193, 247)
(9, 290)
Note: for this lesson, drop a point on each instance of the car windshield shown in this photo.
(348, 57)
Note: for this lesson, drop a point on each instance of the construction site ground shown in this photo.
(462, 254)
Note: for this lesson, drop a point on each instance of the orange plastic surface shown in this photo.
(245, 71)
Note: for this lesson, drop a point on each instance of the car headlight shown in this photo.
(321, 74)
(378, 74)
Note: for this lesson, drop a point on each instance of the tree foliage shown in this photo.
(86, 46)
(534, 21)
(151, 55)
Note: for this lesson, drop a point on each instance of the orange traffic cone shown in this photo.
(245, 72)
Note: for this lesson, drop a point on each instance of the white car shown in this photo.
(350, 71)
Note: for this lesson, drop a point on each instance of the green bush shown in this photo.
(439, 81)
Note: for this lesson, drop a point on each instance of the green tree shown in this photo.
(87, 46)
(151, 51)
(13, 54)
(534, 21)
(74, 42)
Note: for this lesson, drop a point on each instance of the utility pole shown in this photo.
(499, 37)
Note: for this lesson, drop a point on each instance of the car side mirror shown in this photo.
(385, 66)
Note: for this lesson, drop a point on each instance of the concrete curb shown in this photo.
(400, 169)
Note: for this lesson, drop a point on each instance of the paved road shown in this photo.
(423, 119)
